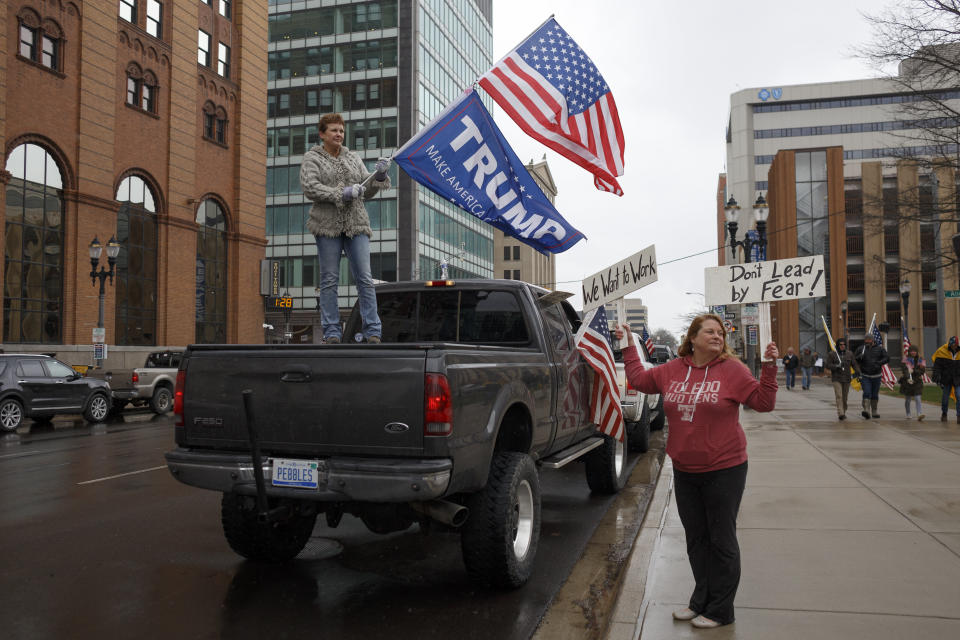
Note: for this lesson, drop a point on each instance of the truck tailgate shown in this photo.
(348, 400)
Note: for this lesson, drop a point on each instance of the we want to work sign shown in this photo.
(770, 281)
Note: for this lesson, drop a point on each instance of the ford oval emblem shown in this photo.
(396, 427)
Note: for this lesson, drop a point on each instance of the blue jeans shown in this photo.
(945, 400)
(791, 375)
(357, 249)
(805, 380)
(871, 387)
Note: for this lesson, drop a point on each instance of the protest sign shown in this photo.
(619, 279)
(771, 281)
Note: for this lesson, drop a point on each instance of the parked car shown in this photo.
(150, 385)
(476, 387)
(642, 412)
(40, 387)
(662, 353)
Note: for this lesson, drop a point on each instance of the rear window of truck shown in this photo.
(477, 317)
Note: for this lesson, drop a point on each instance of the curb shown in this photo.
(584, 607)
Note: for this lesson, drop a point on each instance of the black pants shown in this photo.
(708, 504)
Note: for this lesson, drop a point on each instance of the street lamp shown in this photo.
(760, 213)
(286, 319)
(843, 317)
(96, 249)
(905, 288)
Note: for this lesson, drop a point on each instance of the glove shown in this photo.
(352, 192)
(380, 170)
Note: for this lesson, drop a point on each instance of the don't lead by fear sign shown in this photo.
(771, 281)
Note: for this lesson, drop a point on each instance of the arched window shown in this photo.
(136, 279)
(33, 276)
(211, 273)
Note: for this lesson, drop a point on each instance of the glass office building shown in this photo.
(388, 67)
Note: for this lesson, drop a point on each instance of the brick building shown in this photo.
(141, 120)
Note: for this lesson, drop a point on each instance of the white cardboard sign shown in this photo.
(770, 281)
(619, 279)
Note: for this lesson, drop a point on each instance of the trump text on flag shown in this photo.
(621, 278)
(787, 279)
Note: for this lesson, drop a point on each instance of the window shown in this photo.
(141, 89)
(49, 53)
(33, 276)
(224, 8)
(223, 60)
(28, 42)
(203, 48)
(154, 18)
(40, 43)
(211, 279)
(506, 253)
(128, 10)
(136, 280)
(214, 123)
(516, 252)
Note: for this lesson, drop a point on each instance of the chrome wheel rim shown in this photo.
(98, 408)
(163, 399)
(620, 457)
(522, 520)
(10, 416)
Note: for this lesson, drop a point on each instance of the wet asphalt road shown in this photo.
(100, 541)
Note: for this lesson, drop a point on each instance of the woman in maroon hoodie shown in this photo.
(702, 392)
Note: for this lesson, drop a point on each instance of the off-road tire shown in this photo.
(263, 542)
(639, 433)
(162, 400)
(657, 423)
(606, 466)
(11, 415)
(97, 409)
(500, 537)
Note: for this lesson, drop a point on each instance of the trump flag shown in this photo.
(463, 157)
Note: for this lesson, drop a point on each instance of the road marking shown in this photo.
(121, 475)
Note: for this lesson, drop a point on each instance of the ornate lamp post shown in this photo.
(96, 249)
(760, 213)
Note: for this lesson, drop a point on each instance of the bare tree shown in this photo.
(662, 336)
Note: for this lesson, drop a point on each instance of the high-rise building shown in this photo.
(140, 121)
(830, 159)
(388, 67)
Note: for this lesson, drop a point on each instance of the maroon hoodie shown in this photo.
(702, 405)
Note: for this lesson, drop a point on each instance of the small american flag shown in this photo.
(555, 93)
(886, 373)
(593, 342)
(906, 347)
(647, 341)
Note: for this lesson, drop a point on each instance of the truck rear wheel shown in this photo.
(162, 400)
(499, 540)
(607, 466)
(657, 423)
(263, 542)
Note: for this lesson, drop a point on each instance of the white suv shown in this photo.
(641, 411)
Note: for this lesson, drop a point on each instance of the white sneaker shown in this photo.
(704, 623)
(685, 614)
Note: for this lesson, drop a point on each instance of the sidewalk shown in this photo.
(847, 530)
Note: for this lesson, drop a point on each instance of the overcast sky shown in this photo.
(672, 67)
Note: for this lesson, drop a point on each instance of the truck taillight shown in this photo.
(135, 378)
(439, 283)
(178, 397)
(627, 385)
(437, 405)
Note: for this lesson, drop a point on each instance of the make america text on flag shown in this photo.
(593, 342)
(555, 93)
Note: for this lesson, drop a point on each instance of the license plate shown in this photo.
(299, 474)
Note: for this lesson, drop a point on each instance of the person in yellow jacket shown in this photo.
(946, 373)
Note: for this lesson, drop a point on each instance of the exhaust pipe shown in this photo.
(449, 513)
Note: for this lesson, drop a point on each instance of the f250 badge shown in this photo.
(396, 427)
(208, 422)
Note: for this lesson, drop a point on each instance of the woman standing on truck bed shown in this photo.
(702, 392)
(332, 177)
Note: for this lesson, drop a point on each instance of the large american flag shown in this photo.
(647, 341)
(593, 342)
(886, 373)
(553, 91)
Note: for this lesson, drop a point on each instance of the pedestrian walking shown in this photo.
(870, 359)
(911, 381)
(790, 364)
(332, 177)
(841, 365)
(702, 391)
(807, 360)
(946, 373)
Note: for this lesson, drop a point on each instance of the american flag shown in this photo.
(647, 341)
(906, 347)
(593, 342)
(553, 91)
(886, 374)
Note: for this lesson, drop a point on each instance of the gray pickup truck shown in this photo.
(476, 386)
(150, 385)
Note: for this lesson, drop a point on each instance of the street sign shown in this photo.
(729, 315)
(100, 352)
(951, 293)
(99, 335)
(752, 334)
